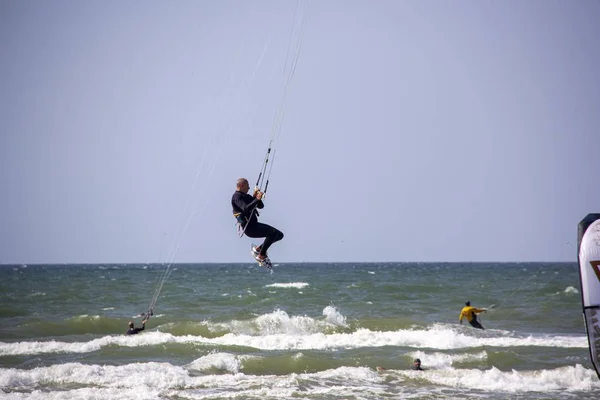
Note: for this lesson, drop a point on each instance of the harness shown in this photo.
(243, 220)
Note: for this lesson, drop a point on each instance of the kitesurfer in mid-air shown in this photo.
(471, 314)
(246, 213)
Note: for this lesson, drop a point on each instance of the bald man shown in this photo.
(245, 211)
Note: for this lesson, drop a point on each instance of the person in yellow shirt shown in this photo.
(471, 314)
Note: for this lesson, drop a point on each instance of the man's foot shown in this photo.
(263, 260)
(256, 252)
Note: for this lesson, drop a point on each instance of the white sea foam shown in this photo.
(279, 331)
(333, 316)
(295, 285)
(221, 361)
(158, 380)
(438, 360)
(279, 321)
(570, 378)
(84, 317)
(571, 289)
(153, 380)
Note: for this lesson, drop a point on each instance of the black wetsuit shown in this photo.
(134, 331)
(244, 210)
(475, 324)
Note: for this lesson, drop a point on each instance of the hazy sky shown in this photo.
(413, 130)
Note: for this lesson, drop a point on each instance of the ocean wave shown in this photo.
(297, 336)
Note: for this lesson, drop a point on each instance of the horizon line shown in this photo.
(284, 262)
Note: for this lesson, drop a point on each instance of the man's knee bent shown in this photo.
(278, 235)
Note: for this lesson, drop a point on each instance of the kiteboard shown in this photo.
(266, 263)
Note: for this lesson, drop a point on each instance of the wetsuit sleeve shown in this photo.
(478, 310)
(259, 203)
(462, 315)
